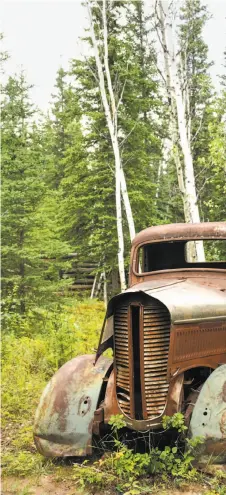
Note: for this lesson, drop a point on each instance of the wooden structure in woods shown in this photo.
(89, 279)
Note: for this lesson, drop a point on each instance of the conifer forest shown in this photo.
(134, 136)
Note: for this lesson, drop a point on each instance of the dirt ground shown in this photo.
(47, 485)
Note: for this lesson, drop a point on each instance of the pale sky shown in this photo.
(40, 36)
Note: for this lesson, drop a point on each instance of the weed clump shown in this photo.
(124, 470)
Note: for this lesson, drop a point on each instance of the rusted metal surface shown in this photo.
(110, 404)
(180, 231)
(175, 395)
(209, 417)
(151, 360)
(98, 420)
(64, 418)
(187, 300)
(188, 332)
(190, 404)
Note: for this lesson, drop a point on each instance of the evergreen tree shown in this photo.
(216, 180)
(27, 231)
(64, 109)
(23, 187)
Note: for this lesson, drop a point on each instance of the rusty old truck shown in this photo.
(167, 333)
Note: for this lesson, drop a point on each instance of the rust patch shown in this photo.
(110, 401)
(190, 404)
(223, 425)
(224, 392)
(90, 427)
(60, 406)
(215, 447)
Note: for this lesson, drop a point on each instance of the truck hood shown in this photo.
(187, 302)
(185, 299)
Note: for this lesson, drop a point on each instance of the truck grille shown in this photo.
(143, 396)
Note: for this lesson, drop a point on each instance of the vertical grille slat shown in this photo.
(122, 349)
(153, 343)
(156, 348)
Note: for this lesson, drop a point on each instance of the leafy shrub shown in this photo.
(124, 468)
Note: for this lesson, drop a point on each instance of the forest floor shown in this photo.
(48, 485)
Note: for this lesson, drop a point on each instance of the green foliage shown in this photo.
(176, 421)
(117, 422)
(218, 484)
(172, 462)
(124, 469)
(30, 227)
(30, 356)
(22, 464)
(120, 469)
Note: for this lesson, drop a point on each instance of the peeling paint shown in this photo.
(64, 418)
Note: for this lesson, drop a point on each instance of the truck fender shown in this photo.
(64, 417)
(209, 417)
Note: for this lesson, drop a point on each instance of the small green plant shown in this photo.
(218, 484)
(176, 421)
(171, 462)
(117, 422)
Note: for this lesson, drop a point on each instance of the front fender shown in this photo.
(209, 417)
(64, 417)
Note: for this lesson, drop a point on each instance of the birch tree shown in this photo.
(185, 173)
(104, 82)
(197, 85)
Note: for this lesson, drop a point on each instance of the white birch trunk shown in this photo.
(186, 177)
(123, 185)
(126, 201)
(98, 288)
(173, 112)
(93, 287)
(116, 152)
(105, 290)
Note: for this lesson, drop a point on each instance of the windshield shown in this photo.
(180, 254)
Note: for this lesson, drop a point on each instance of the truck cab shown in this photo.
(167, 333)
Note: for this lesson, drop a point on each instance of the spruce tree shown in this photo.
(23, 187)
(30, 232)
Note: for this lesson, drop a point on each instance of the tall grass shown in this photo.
(32, 350)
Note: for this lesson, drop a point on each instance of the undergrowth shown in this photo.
(31, 353)
(125, 470)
